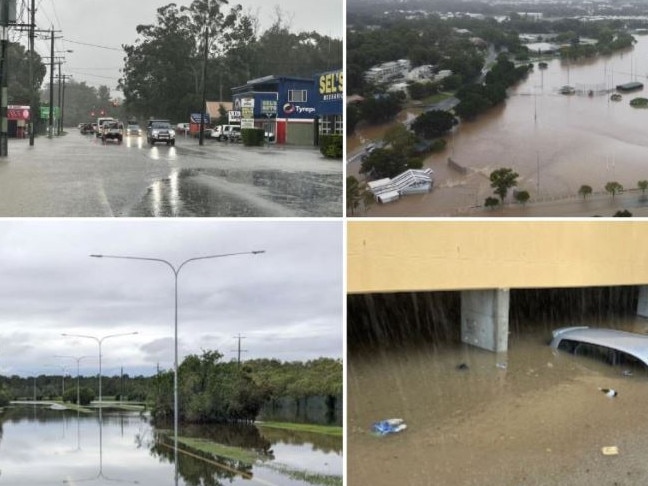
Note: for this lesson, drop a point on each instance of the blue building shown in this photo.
(294, 109)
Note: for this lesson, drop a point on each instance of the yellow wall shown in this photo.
(386, 256)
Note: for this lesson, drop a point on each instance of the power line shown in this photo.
(94, 45)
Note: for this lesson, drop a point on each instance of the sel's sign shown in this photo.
(331, 86)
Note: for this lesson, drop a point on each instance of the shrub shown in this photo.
(331, 146)
(252, 137)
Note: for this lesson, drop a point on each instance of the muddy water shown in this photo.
(555, 142)
(530, 416)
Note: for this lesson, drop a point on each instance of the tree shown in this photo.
(522, 197)
(434, 123)
(491, 202)
(400, 138)
(613, 188)
(386, 162)
(502, 180)
(643, 185)
(585, 191)
(380, 108)
(353, 195)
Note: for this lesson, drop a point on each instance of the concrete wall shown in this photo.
(394, 256)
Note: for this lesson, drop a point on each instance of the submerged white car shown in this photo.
(610, 345)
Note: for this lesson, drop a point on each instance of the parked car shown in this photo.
(160, 131)
(133, 129)
(610, 345)
(224, 132)
(182, 128)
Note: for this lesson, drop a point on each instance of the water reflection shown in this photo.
(44, 446)
(227, 192)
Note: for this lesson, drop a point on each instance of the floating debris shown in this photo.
(626, 373)
(610, 451)
(502, 366)
(389, 426)
(462, 367)
(609, 392)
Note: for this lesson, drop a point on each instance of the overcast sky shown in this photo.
(286, 303)
(110, 24)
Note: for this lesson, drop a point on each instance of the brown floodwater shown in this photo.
(531, 416)
(555, 142)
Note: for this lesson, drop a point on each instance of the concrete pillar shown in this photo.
(642, 304)
(485, 318)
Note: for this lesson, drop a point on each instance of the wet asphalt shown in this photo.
(77, 176)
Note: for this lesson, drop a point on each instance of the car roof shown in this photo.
(628, 342)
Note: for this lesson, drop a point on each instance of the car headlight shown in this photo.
(155, 133)
(172, 133)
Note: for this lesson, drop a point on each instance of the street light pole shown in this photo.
(176, 271)
(78, 359)
(99, 342)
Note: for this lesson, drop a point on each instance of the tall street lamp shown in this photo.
(78, 360)
(176, 271)
(99, 341)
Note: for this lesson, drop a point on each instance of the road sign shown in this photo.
(45, 112)
(195, 118)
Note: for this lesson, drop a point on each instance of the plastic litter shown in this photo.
(626, 373)
(609, 392)
(610, 451)
(462, 367)
(501, 366)
(389, 426)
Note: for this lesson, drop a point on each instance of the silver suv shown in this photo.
(160, 131)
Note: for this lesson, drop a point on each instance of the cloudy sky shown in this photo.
(109, 24)
(286, 303)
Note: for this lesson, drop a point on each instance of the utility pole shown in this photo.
(32, 104)
(4, 123)
(204, 76)
(59, 127)
(239, 350)
(51, 86)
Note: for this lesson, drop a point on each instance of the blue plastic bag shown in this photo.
(389, 426)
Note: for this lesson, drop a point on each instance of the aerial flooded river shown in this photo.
(555, 142)
(530, 416)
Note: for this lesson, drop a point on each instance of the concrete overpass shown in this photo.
(484, 260)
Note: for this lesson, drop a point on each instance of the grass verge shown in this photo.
(313, 428)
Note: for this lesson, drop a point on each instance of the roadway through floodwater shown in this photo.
(44, 446)
(77, 175)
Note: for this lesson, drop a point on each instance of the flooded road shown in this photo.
(41, 446)
(77, 175)
(531, 416)
(556, 143)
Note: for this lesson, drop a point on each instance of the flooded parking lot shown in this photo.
(530, 416)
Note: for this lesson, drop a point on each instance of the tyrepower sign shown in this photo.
(331, 86)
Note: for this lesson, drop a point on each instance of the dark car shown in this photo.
(86, 128)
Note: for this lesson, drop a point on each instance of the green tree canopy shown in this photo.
(434, 123)
(502, 180)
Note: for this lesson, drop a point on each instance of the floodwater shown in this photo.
(40, 446)
(555, 142)
(530, 416)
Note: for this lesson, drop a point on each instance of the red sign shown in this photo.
(17, 112)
